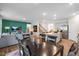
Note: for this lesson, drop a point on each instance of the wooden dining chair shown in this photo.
(66, 45)
(73, 50)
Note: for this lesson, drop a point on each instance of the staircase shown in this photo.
(42, 29)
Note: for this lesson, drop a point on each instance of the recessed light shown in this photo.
(44, 14)
(70, 3)
(74, 14)
(54, 15)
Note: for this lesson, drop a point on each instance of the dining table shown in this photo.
(38, 47)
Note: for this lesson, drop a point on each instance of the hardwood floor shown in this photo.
(66, 43)
(5, 50)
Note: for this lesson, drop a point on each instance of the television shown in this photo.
(13, 28)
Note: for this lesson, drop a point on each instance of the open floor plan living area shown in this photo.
(39, 29)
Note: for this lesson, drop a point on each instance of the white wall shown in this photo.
(45, 23)
(73, 27)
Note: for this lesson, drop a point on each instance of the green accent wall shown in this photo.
(10, 23)
(0, 26)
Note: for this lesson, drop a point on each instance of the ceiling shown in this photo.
(38, 11)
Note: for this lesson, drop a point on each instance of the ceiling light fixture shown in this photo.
(54, 15)
(74, 14)
(44, 14)
(70, 3)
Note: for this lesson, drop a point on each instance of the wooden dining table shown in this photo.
(40, 48)
(47, 49)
